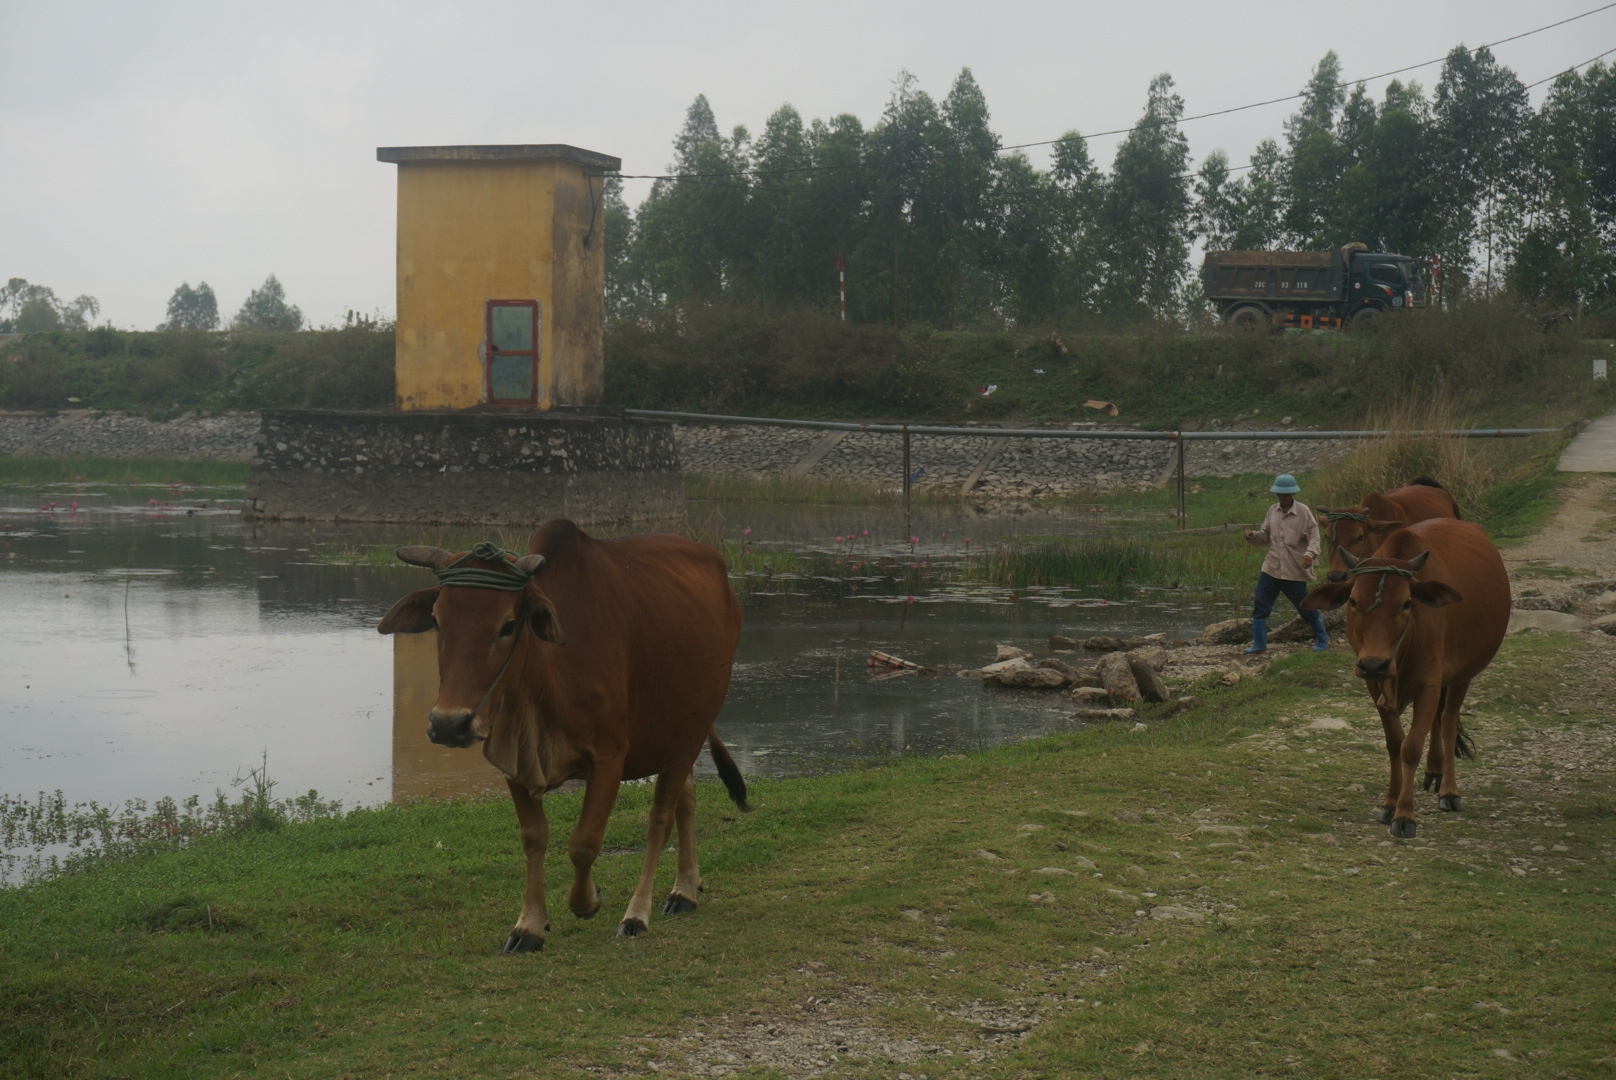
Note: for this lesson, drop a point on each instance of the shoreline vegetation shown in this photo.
(1496, 363)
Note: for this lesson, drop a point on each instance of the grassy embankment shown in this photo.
(899, 917)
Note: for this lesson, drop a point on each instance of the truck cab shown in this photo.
(1383, 282)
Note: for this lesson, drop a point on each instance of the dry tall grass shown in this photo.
(1406, 452)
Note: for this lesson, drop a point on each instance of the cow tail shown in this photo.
(1464, 745)
(734, 782)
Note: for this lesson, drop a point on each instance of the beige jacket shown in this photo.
(1289, 535)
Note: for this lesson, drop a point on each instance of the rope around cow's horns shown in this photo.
(475, 577)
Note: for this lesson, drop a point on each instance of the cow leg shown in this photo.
(1433, 757)
(1425, 714)
(682, 897)
(1392, 724)
(1447, 796)
(600, 792)
(534, 923)
(637, 919)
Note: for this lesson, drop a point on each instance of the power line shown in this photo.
(1570, 69)
(1174, 122)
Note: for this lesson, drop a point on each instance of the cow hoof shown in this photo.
(1433, 780)
(632, 928)
(521, 941)
(1403, 828)
(677, 905)
(1450, 802)
(590, 912)
(1384, 815)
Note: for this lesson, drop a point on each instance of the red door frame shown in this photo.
(532, 400)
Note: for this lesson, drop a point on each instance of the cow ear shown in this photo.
(1381, 528)
(412, 614)
(1327, 597)
(1435, 593)
(542, 617)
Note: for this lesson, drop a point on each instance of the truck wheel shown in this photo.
(1363, 318)
(1247, 320)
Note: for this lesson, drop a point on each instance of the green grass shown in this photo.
(19, 469)
(367, 945)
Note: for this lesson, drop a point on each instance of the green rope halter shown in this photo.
(1383, 571)
(476, 577)
(1335, 517)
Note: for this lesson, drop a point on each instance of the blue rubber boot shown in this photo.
(1259, 636)
(1321, 636)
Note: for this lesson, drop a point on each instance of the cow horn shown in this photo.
(433, 558)
(1348, 557)
(1418, 561)
(530, 564)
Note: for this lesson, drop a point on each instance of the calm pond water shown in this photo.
(156, 644)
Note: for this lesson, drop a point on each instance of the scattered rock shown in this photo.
(1126, 816)
(1227, 632)
(1055, 871)
(1122, 894)
(1605, 601)
(910, 913)
(1222, 830)
(1101, 643)
(1058, 665)
(1083, 864)
(1029, 828)
(1005, 665)
(1042, 898)
(1154, 655)
(990, 856)
(1057, 641)
(1026, 677)
(1148, 683)
(1328, 723)
(1103, 714)
(1169, 912)
(1327, 839)
(1087, 695)
(1232, 676)
(1607, 623)
(1116, 675)
(1009, 652)
(1183, 704)
(1546, 620)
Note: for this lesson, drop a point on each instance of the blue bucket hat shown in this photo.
(1285, 484)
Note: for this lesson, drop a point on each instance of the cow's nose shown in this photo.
(1336, 576)
(1372, 668)
(451, 728)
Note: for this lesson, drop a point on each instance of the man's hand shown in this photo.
(1250, 535)
(1307, 562)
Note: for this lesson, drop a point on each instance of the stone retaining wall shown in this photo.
(83, 433)
(1019, 468)
(463, 467)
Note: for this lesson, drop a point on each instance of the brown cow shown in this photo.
(1425, 615)
(1358, 530)
(629, 689)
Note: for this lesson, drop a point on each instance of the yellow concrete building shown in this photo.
(501, 275)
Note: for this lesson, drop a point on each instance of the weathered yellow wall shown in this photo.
(469, 232)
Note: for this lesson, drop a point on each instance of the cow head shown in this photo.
(1380, 595)
(483, 609)
(1356, 531)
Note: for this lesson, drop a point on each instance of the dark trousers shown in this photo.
(1269, 590)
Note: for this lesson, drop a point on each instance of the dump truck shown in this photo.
(1347, 287)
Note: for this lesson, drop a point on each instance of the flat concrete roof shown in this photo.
(403, 155)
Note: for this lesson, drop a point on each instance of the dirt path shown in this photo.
(1582, 535)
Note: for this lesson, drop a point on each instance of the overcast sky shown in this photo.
(142, 145)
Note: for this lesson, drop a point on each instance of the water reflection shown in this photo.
(160, 646)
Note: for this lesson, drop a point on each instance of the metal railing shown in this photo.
(1181, 438)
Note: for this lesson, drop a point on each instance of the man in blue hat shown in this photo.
(1292, 537)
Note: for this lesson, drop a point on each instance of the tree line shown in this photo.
(937, 224)
(27, 308)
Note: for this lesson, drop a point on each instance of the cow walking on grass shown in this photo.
(1356, 532)
(593, 660)
(1425, 615)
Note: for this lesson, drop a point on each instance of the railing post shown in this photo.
(1183, 514)
(907, 526)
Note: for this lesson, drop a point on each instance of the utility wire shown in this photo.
(1570, 69)
(1174, 122)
